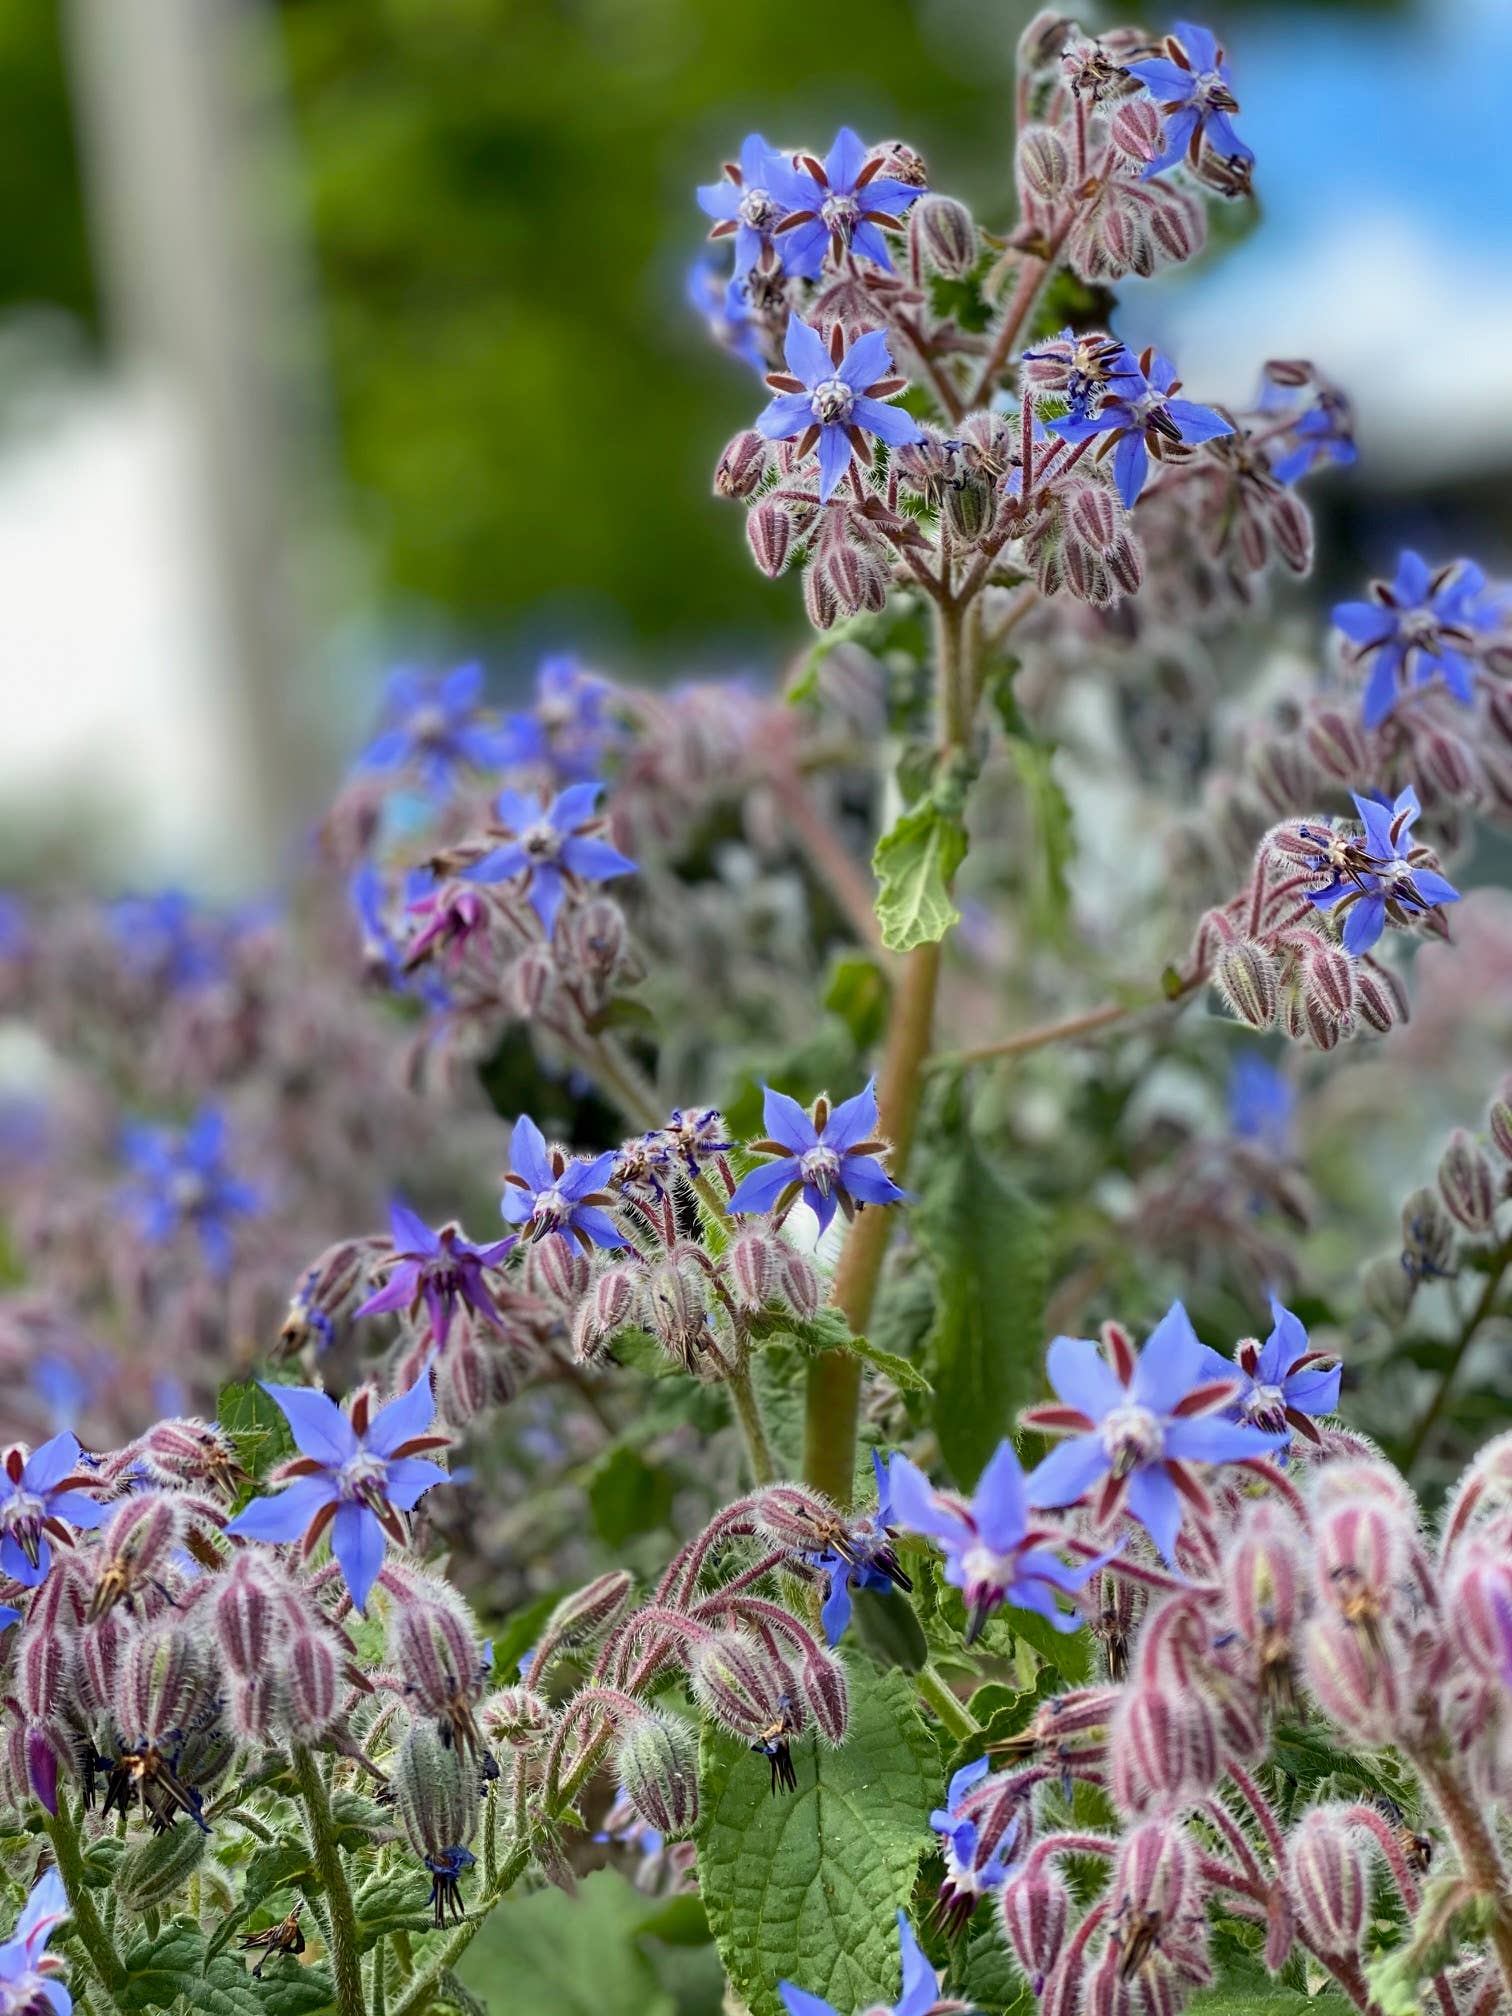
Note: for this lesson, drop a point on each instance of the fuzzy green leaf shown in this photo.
(915, 864)
(806, 1887)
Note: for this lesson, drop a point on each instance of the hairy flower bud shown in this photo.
(1328, 977)
(1467, 1183)
(517, 1717)
(969, 505)
(1378, 998)
(742, 1684)
(312, 1683)
(582, 1617)
(1356, 1679)
(163, 1679)
(819, 598)
(656, 1761)
(1478, 1607)
(750, 1268)
(826, 1693)
(43, 1656)
(1246, 977)
(153, 1873)
(1044, 165)
(1262, 1581)
(1035, 1910)
(799, 1281)
(593, 936)
(1162, 1749)
(190, 1452)
(138, 1539)
(1330, 1881)
(856, 578)
(742, 466)
(1135, 130)
(947, 235)
(330, 1288)
(1336, 743)
(435, 1647)
(1427, 1237)
(435, 1790)
(556, 1269)
(247, 1614)
(1499, 1120)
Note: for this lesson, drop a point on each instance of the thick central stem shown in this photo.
(346, 1964)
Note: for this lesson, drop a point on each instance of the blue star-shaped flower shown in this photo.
(841, 204)
(969, 1873)
(1420, 627)
(355, 1475)
(569, 730)
(183, 1180)
(865, 1560)
(1195, 92)
(441, 1268)
(921, 1986)
(1379, 875)
(549, 849)
(994, 1554)
(833, 397)
(170, 938)
(725, 304)
(435, 728)
(1283, 1384)
(28, 1972)
(546, 1191)
(832, 1156)
(1136, 1425)
(1140, 415)
(745, 206)
(36, 1497)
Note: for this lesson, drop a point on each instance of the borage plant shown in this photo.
(961, 1696)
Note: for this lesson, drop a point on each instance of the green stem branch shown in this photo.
(91, 1934)
(346, 1963)
(1500, 1261)
(752, 1427)
(956, 1718)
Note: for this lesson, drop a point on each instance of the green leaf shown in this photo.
(806, 1887)
(915, 864)
(174, 1963)
(395, 1902)
(991, 1257)
(553, 1955)
(990, 1978)
(905, 1376)
(627, 1495)
(856, 990)
(256, 1425)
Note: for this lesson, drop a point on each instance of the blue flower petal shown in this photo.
(320, 1428)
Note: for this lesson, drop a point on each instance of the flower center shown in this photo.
(541, 842)
(552, 1209)
(986, 1575)
(428, 725)
(758, 210)
(1266, 1408)
(363, 1477)
(842, 214)
(820, 1167)
(188, 1191)
(1419, 629)
(1132, 1437)
(831, 401)
(21, 1516)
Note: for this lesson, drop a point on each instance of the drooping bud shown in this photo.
(799, 1281)
(1356, 1679)
(138, 1539)
(531, 979)
(1330, 1881)
(1044, 165)
(969, 505)
(819, 598)
(1467, 1183)
(947, 235)
(656, 1759)
(1499, 1120)
(330, 1288)
(1155, 1880)
(826, 1693)
(581, 1618)
(1387, 1287)
(1478, 1606)
(436, 1648)
(436, 1792)
(1135, 130)
(856, 577)
(155, 1871)
(190, 1452)
(163, 1679)
(517, 1717)
(742, 466)
(751, 1268)
(1035, 1910)
(1379, 1000)
(676, 1300)
(248, 1617)
(1427, 1238)
(1246, 977)
(747, 1688)
(1262, 1580)
(593, 935)
(43, 1656)
(1328, 976)
(1163, 1750)
(312, 1683)
(556, 1269)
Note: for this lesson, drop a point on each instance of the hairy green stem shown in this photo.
(956, 1718)
(92, 1936)
(752, 1427)
(346, 1964)
(1476, 1847)
(1501, 1260)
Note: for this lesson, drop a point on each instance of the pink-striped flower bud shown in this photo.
(312, 1682)
(819, 598)
(656, 1760)
(1044, 164)
(532, 978)
(1262, 1580)
(196, 1453)
(164, 1679)
(1379, 1000)
(798, 1281)
(1247, 978)
(1328, 978)
(1336, 743)
(1291, 530)
(136, 1543)
(1499, 1120)
(1478, 1605)
(97, 1664)
(1320, 1027)
(1035, 1911)
(1093, 515)
(468, 1376)
(742, 466)
(581, 1618)
(1329, 1871)
(557, 1270)
(1357, 1678)
(1467, 1183)
(1135, 130)
(751, 1270)
(254, 1705)
(435, 1647)
(947, 235)
(1162, 1750)
(1155, 1879)
(826, 1693)
(436, 1792)
(769, 533)
(517, 1718)
(676, 1303)
(43, 1658)
(329, 1290)
(744, 1685)
(1360, 1548)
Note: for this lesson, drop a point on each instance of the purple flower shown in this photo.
(435, 728)
(183, 1181)
(1139, 414)
(28, 1972)
(833, 396)
(1283, 1384)
(1136, 1425)
(744, 205)
(864, 1560)
(8, 1616)
(354, 1475)
(921, 1987)
(568, 730)
(842, 204)
(832, 1156)
(550, 849)
(1378, 876)
(1261, 1104)
(1421, 627)
(441, 1268)
(36, 1499)
(1324, 433)
(169, 938)
(993, 1554)
(976, 1861)
(388, 953)
(725, 304)
(546, 1191)
(1194, 90)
